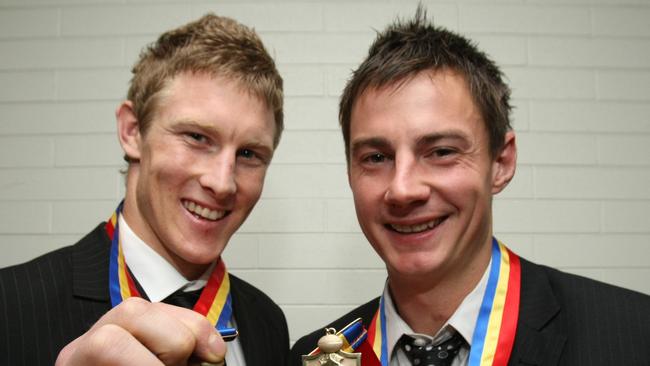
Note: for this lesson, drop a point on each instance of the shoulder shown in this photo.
(40, 295)
(52, 271)
(307, 343)
(55, 264)
(574, 289)
(596, 320)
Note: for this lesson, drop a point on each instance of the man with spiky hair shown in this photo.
(202, 119)
(428, 142)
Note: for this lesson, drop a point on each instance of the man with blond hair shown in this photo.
(202, 119)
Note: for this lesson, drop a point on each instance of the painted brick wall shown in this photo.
(579, 69)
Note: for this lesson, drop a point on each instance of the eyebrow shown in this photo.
(432, 138)
(371, 142)
(428, 139)
(191, 123)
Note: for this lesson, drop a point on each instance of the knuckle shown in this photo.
(103, 345)
(186, 341)
(103, 339)
(64, 355)
(133, 307)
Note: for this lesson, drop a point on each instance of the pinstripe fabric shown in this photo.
(571, 320)
(53, 299)
(564, 320)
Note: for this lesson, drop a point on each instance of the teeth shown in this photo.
(417, 228)
(203, 212)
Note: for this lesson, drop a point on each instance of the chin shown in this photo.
(202, 255)
(415, 270)
(408, 266)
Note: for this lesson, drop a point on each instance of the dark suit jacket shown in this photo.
(563, 320)
(53, 299)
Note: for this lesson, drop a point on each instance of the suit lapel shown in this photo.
(90, 258)
(541, 329)
(367, 312)
(243, 311)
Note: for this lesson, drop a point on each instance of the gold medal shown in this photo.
(330, 353)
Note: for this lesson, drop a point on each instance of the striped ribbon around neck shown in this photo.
(215, 302)
(496, 323)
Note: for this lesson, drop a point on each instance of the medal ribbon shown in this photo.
(496, 324)
(494, 334)
(215, 302)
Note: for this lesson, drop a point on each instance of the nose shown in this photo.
(218, 175)
(408, 185)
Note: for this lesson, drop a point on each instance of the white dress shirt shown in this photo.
(463, 320)
(159, 279)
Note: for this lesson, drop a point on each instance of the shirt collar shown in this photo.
(463, 319)
(157, 277)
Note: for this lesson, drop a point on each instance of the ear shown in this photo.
(347, 172)
(504, 164)
(128, 131)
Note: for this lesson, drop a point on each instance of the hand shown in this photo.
(137, 332)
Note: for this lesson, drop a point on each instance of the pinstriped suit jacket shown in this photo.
(563, 320)
(53, 299)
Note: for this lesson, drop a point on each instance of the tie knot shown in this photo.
(420, 351)
(185, 299)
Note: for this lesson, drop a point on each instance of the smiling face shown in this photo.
(423, 177)
(201, 168)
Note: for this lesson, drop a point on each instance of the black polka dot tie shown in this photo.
(421, 352)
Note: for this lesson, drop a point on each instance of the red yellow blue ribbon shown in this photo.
(377, 334)
(496, 324)
(121, 284)
(215, 302)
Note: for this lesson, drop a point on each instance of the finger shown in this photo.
(67, 351)
(200, 363)
(209, 346)
(162, 332)
(107, 345)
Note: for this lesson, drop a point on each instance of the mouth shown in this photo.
(204, 213)
(417, 228)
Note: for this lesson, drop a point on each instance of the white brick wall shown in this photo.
(579, 69)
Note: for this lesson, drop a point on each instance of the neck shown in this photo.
(191, 271)
(141, 228)
(426, 303)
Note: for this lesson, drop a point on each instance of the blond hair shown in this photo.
(215, 45)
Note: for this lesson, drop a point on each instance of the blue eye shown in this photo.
(196, 136)
(252, 158)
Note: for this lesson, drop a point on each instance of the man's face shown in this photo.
(422, 175)
(202, 167)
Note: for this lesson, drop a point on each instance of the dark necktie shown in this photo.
(423, 353)
(183, 299)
